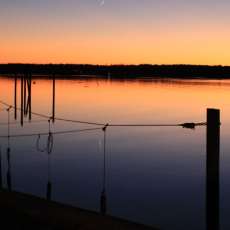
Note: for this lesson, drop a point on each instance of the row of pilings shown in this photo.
(25, 108)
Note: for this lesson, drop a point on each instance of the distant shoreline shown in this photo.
(118, 71)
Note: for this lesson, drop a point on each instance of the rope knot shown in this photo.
(105, 127)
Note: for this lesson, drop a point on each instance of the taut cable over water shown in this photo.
(189, 125)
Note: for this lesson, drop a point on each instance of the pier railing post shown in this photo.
(212, 169)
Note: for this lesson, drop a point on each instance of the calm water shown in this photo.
(153, 175)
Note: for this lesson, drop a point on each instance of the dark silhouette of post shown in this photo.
(54, 89)
(212, 169)
(1, 185)
(15, 97)
(25, 94)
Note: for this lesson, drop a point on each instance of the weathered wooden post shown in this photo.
(212, 169)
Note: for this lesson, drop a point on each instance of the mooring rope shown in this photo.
(17, 123)
(47, 133)
(190, 125)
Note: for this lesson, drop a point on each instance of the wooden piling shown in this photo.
(212, 169)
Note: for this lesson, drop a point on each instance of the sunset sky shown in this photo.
(115, 31)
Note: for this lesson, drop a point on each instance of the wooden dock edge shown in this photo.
(23, 211)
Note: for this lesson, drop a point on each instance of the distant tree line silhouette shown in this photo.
(119, 71)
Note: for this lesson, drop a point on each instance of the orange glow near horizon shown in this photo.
(184, 33)
(181, 47)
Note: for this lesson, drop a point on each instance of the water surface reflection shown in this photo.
(152, 175)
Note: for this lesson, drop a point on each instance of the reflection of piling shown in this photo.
(8, 176)
(54, 89)
(103, 203)
(49, 184)
(22, 99)
(1, 185)
(103, 200)
(15, 97)
(212, 169)
(28, 106)
(25, 94)
(49, 191)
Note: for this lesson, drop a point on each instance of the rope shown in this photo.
(54, 133)
(16, 123)
(56, 118)
(191, 125)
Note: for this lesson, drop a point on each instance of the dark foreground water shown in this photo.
(152, 175)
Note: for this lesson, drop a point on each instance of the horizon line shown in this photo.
(140, 64)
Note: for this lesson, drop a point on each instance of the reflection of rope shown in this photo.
(49, 143)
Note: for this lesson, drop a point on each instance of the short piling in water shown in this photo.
(212, 169)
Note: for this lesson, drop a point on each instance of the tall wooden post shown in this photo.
(212, 169)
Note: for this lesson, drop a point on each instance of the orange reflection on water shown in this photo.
(126, 101)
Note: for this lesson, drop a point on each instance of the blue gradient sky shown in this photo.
(118, 31)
